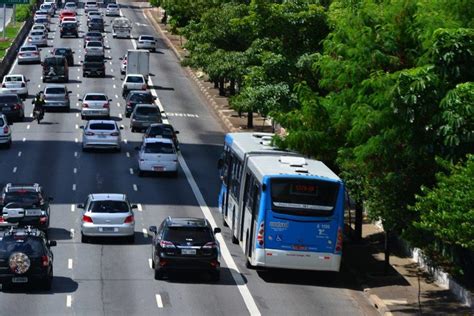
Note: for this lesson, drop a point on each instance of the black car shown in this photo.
(162, 130)
(26, 258)
(135, 97)
(185, 243)
(66, 52)
(93, 66)
(32, 199)
(96, 24)
(12, 106)
(55, 69)
(69, 28)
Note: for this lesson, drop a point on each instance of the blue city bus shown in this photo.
(290, 213)
(238, 147)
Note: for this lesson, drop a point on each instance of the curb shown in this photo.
(227, 123)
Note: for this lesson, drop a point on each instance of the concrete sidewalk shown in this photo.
(405, 289)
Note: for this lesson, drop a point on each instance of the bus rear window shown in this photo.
(304, 197)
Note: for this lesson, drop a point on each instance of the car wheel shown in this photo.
(84, 239)
(215, 276)
(48, 283)
(159, 275)
(9, 144)
(152, 264)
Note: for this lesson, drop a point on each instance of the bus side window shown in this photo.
(256, 201)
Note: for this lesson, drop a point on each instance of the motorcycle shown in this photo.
(38, 115)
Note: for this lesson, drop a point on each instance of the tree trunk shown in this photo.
(222, 87)
(216, 84)
(250, 119)
(232, 86)
(386, 267)
(358, 221)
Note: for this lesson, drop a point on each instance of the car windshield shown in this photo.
(57, 90)
(102, 126)
(29, 246)
(109, 207)
(53, 61)
(135, 79)
(166, 132)
(159, 148)
(13, 78)
(23, 197)
(184, 234)
(92, 58)
(8, 98)
(145, 110)
(95, 97)
(97, 20)
(60, 51)
(141, 98)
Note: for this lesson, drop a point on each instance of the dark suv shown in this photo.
(66, 52)
(26, 258)
(55, 68)
(93, 66)
(185, 243)
(96, 24)
(135, 97)
(164, 131)
(31, 199)
(69, 28)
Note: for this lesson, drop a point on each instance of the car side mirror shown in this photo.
(80, 206)
(27, 80)
(52, 243)
(79, 99)
(121, 127)
(121, 79)
(69, 92)
(134, 206)
(81, 127)
(152, 229)
(121, 58)
(110, 100)
(217, 230)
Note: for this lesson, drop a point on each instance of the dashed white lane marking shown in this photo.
(77, 114)
(75, 154)
(135, 188)
(73, 207)
(69, 264)
(78, 76)
(150, 263)
(71, 232)
(68, 301)
(113, 78)
(28, 126)
(110, 62)
(128, 154)
(78, 71)
(78, 95)
(39, 86)
(139, 207)
(14, 169)
(116, 96)
(77, 126)
(76, 140)
(125, 141)
(77, 84)
(31, 115)
(24, 139)
(131, 170)
(120, 115)
(19, 154)
(115, 87)
(74, 187)
(145, 233)
(111, 70)
(74, 170)
(159, 302)
(77, 104)
(118, 104)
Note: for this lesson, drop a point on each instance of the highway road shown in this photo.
(113, 278)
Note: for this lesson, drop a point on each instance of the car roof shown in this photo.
(107, 197)
(135, 75)
(186, 222)
(95, 93)
(162, 125)
(157, 140)
(102, 121)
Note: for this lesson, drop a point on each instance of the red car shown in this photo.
(65, 13)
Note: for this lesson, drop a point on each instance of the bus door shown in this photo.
(244, 205)
(255, 207)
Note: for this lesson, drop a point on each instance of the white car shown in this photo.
(107, 215)
(95, 48)
(17, 84)
(90, 7)
(95, 104)
(5, 132)
(70, 6)
(101, 134)
(133, 82)
(52, 2)
(39, 27)
(93, 14)
(41, 19)
(112, 9)
(48, 7)
(157, 155)
(28, 54)
(38, 38)
(70, 19)
(146, 42)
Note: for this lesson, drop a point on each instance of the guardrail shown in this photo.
(9, 58)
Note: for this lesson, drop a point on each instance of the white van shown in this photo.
(121, 27)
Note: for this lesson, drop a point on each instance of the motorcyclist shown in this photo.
(39, 103)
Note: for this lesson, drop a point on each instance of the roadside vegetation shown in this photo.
(380, 90)
(11, 31)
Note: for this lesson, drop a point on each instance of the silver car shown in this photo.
(5, 132)
(107, 215)
(39, 27)
(57, 96)
(101, 134)
(38, 38)
(29, 54)
(146, 42)
(95, 104)
(95, 48)
(112, 9)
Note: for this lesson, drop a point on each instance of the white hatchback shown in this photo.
(101, 134)
(146, 42)
(5, 132)
(95, 104)
(17, 84)
(157, 155)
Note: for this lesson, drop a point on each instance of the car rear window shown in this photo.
(142, 110)
(102, 126)
(36, 33)
(94, 44)
(147, 38)
(141, 97)
(159, 148)
(23, 197)
(13, 78)
(97, 20)
(8, 98)
(184, 234)
(92, 58)
(53, 61)
(108, 207)
(55, 90)
(29, 246)
(28, 49)
(95, 97)
(60, 51)
(93, 34)
(135, 79)
(160, 130)
(41, 20)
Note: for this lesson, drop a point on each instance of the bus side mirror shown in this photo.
(152, 229)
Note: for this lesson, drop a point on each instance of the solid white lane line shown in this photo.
(145, 233)
(139, 207)
(71, 232)
(19, 154)
(131, 170)
(74, 187)
(150, 263)
(14, 169)
(159, 302)
(68, 301)
(69, 264)
(128, 154)
(73, 207)
(28, 126)
(135, 188)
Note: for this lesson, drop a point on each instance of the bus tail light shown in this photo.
(339, 240)
(260, 235)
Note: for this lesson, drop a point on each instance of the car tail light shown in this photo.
(85, 105)
(43, 219)
(21, 54)
(125, 62)
(2, 220)
(114, 134)
(35, 53)
(129, 219)
(17, 106)
(166, 244)
(89, 134)
(214, 263)
(129, 104)
(106, 105)
(210, 245)
(339, 240)
(45, 261)
(260, 235)
(87, 219)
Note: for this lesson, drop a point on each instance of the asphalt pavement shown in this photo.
(111, 277)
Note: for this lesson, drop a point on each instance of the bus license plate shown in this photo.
(188, 251)
(20, 280)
